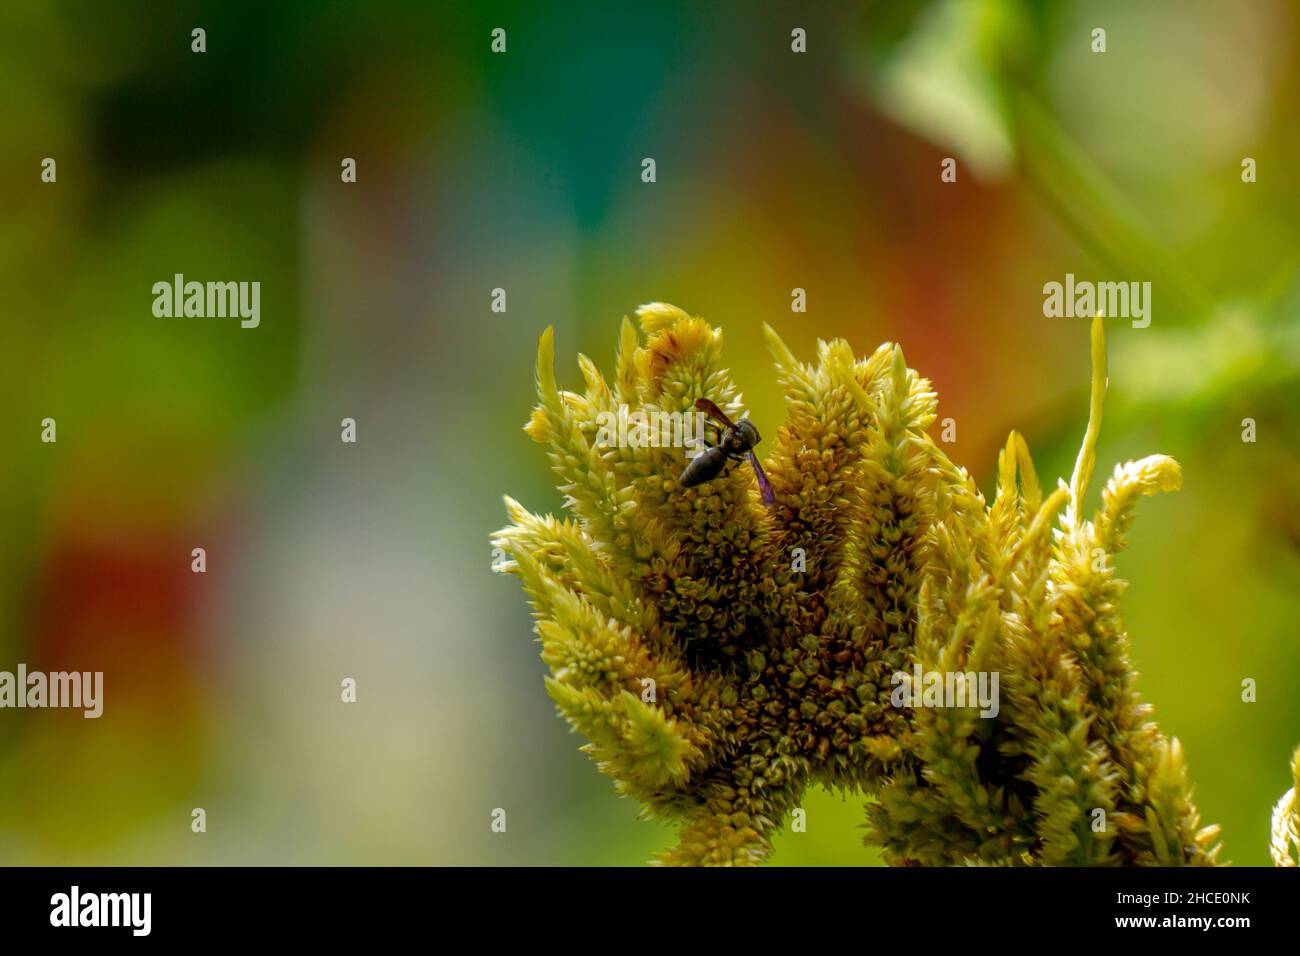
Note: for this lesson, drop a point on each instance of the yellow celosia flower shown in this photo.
(1285, 845)
(721, 656)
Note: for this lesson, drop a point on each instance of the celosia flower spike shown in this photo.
(720, 656)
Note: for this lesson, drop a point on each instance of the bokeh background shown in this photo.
(522, 171)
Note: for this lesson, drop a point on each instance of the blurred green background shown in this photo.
(775, 170)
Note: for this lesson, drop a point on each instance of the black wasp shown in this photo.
(737, 441)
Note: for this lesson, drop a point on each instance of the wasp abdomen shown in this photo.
(703, 467)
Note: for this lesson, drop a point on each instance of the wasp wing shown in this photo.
(764, 486)
(709, 408)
